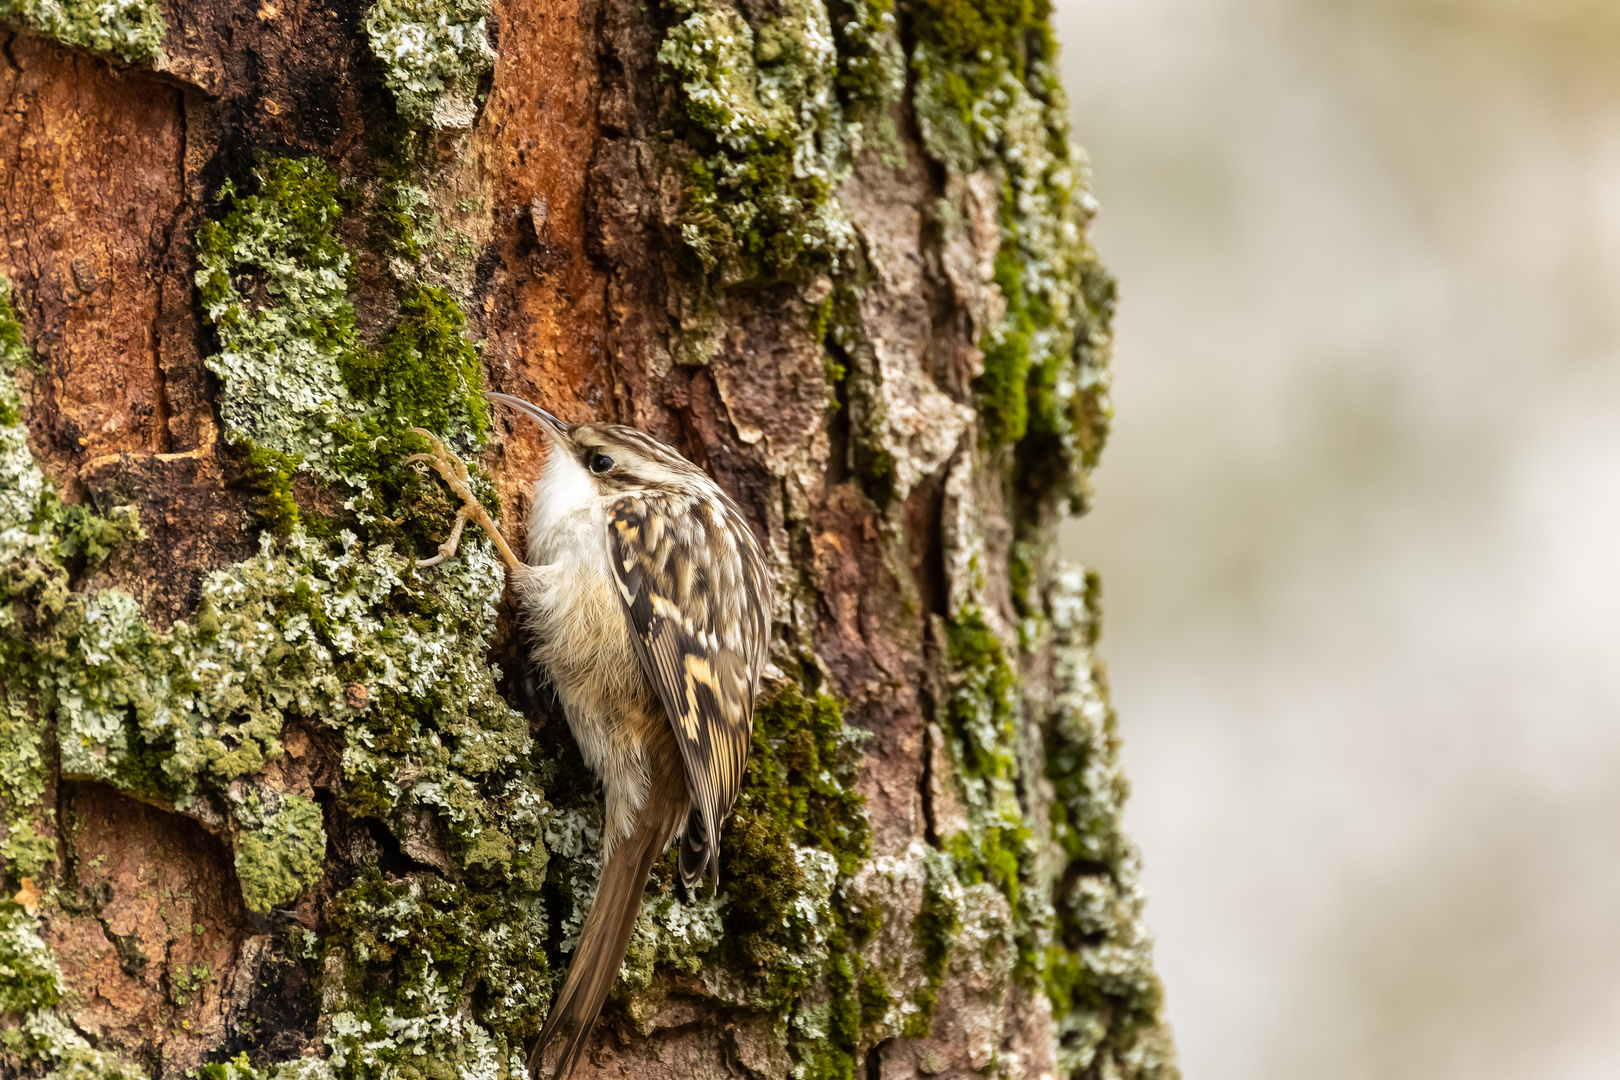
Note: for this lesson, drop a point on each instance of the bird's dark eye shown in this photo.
(601, 463)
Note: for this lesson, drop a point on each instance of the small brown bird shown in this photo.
(650, 608)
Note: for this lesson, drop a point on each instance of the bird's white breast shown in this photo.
(580, 637)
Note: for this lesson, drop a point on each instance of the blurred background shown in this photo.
(1359, 522)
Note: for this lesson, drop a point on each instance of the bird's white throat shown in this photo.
(563, 489)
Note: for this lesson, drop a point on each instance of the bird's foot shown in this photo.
(453, 472)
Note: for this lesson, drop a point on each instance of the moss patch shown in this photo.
(299, 392)
(988, 97)
(797, 830)
(871, 62)
(936, 927)
(796, 796)
(427, 374)
(984, 712)
(408, 954)
(756, 107)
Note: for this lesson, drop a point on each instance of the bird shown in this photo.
(648, 602)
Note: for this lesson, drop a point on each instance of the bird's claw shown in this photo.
(453, 471)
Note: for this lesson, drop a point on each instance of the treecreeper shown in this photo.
(649, 605)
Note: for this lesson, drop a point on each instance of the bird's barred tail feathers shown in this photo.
(606, 934)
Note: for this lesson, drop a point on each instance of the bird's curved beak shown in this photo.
(548, 423)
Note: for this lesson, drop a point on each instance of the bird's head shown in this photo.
(606, 459)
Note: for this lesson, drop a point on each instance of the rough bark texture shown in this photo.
(276, 803)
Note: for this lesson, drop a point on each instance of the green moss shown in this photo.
(965, 50)
(994, 854)
(402, 228)
(797, 822)
(14, 356)
(987, 97)
(982, 707)
(237, 1068)
(131, 29)
(427, 374)
(936, 927)
(1004, 387)
(270, 473)
(871, 63)
(433, 52)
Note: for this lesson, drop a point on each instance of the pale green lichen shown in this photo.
(131, 29)
(990, 110)
(342, 632)
(673, 933)
(279, 854)
(286, 634)
(297, 387)
(49, 1040)
(433, 52)
(416, 975)
(29, 977)
(25, 554)
(1106, 996)
(758, 108)
(274, 282)
(37, 532)
(937, 926)
(241, 1067)
(22, 788)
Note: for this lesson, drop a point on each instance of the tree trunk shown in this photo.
(275, 802)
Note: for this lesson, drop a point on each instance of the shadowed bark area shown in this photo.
(276, 802)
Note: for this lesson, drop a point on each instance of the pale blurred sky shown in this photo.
(1359, 522)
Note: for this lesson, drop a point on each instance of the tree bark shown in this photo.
(275, 802)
